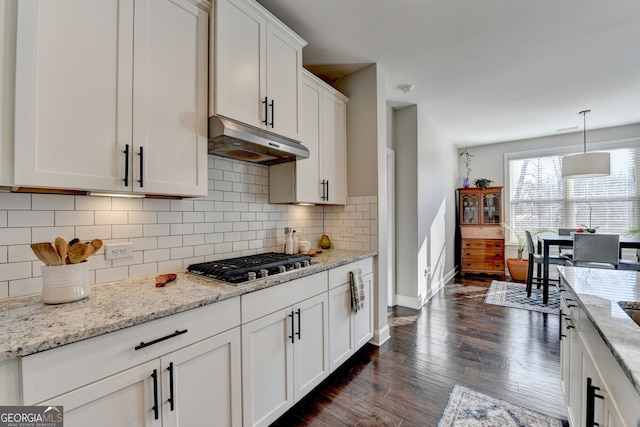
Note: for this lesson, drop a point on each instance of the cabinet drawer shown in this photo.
(482, 244)
(482, 265)
(340, 275)
(53, 372)
(483, 254)
(266, 301)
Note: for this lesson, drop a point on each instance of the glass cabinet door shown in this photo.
(491, 208)
(470, 204)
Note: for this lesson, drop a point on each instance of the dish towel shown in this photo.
(357, 290)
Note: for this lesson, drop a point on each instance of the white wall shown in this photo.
(367, 167)
(234, 219)
(488, 160)
(426, 176)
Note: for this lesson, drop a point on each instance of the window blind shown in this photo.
(539, 198)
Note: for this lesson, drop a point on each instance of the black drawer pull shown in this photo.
(147, 344)
(155, 394)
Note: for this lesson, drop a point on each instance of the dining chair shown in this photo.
(628, 264)
(596, 250)
(537, 258)
(566, 251)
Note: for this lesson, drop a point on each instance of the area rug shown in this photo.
(469, 408)
(515, 295)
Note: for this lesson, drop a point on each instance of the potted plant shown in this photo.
(482, 182)
(518, 267)
(467, 164)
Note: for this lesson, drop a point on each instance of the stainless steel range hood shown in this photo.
(238, 141)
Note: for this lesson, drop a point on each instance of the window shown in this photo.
(540, 198)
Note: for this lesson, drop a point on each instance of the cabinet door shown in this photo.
(341, 340)
(363, 320)
(308, 186)
(240, 55)
(334, 148)
(73, 93)
(125, 399)
(283, 72)
(206, 383)
(311, 346)
(170, 98)
(267, 368)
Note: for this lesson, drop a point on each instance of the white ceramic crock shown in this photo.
(65, 283)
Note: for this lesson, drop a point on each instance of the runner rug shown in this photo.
(511, 294)
(469, 408)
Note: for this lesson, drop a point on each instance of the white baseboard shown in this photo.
(381, 336)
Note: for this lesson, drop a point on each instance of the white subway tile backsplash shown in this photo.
(195, 217)
(18, 253)
(182, 205)
(126, 231)
(234, 219)
(94, 232)
(169, 217)
(145, 243)
(193, 239)
(49, 234)
(149, 230)
(4, 289)
(182, 252)
(15, 201)
(156, 205)
(14, 236)
(93, 203)
(15, 270)
(181, 229)
(30, 219)
(22, 287)
(169, 242)
(149, 269)
(157, 255)
(141, 217)
(111, 217)
(64, 218)
(112, 274)
(52, 202)
(126, 204)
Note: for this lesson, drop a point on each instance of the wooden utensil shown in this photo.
(77, 252)
(61, 247)
(46, 253)
(97, 244)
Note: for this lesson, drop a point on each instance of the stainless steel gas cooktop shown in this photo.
(244, 269)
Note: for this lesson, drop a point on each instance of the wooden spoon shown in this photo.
(97, 244)
(77, 252)
(48, 252)
(61, 247)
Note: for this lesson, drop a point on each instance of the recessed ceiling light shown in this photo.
(406, 88)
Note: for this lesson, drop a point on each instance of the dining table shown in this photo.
(547, 240)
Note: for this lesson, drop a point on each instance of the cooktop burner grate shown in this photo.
(242, 269)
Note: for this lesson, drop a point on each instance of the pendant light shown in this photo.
(585, 165)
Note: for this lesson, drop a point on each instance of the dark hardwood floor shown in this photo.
(508, 353)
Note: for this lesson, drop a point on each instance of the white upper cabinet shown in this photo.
(111, 96)
(256, 64)
(322, 178)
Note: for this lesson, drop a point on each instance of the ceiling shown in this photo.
(484, 71)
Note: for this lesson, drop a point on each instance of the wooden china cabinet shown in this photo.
(481, 236)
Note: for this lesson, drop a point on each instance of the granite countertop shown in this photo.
(598, 292)
(29, 326)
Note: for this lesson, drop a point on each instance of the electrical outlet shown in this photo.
(118, 251)
(346, 231)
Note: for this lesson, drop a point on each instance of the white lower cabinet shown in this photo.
(597, 391)
(188, 373)
(348, 331)
(284, 353)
